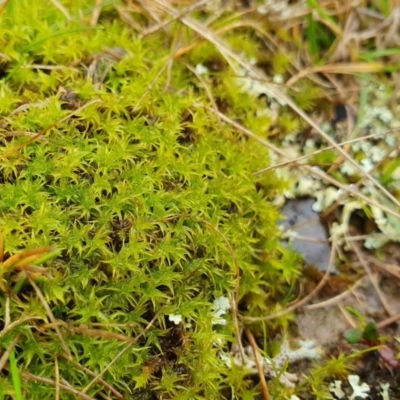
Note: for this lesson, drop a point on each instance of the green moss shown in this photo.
(141, 192)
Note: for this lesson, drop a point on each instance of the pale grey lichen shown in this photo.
(307, 349)
(220, 306)
(358, 390)
(336, 388)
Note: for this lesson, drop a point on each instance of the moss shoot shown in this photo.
(147, 200)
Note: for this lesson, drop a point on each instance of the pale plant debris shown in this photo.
(307, 350)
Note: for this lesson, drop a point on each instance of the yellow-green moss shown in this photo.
(140, 192)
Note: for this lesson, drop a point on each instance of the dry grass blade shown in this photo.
(348, 316)
(57, 380)
(25, 133)
(4, 6)
(360, 181)
(1, 247)
(6, 354)
(7, 318)
(127, 18)
(12, 325)
(235, 60)
(312, 170)
(50, 67)
(25, 257)
(60, 7)
(391, 269)
(83, 330)
(96, 13)
(182, 13)
(345, 68)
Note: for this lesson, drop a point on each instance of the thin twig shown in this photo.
(320, 285)
(100, 380)
(296, 160)
(358, 184)
(334, 300)
(83, 330)
(98, 376)
(263, 382)
(312, 170)
(235, 297)
(50, 314)
(57, 381)
(372, 278)
(65, 386)
(207, 90)
(388, 321)
(44, 131)
(150, 87)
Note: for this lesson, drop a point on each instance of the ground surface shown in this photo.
(146, 150)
